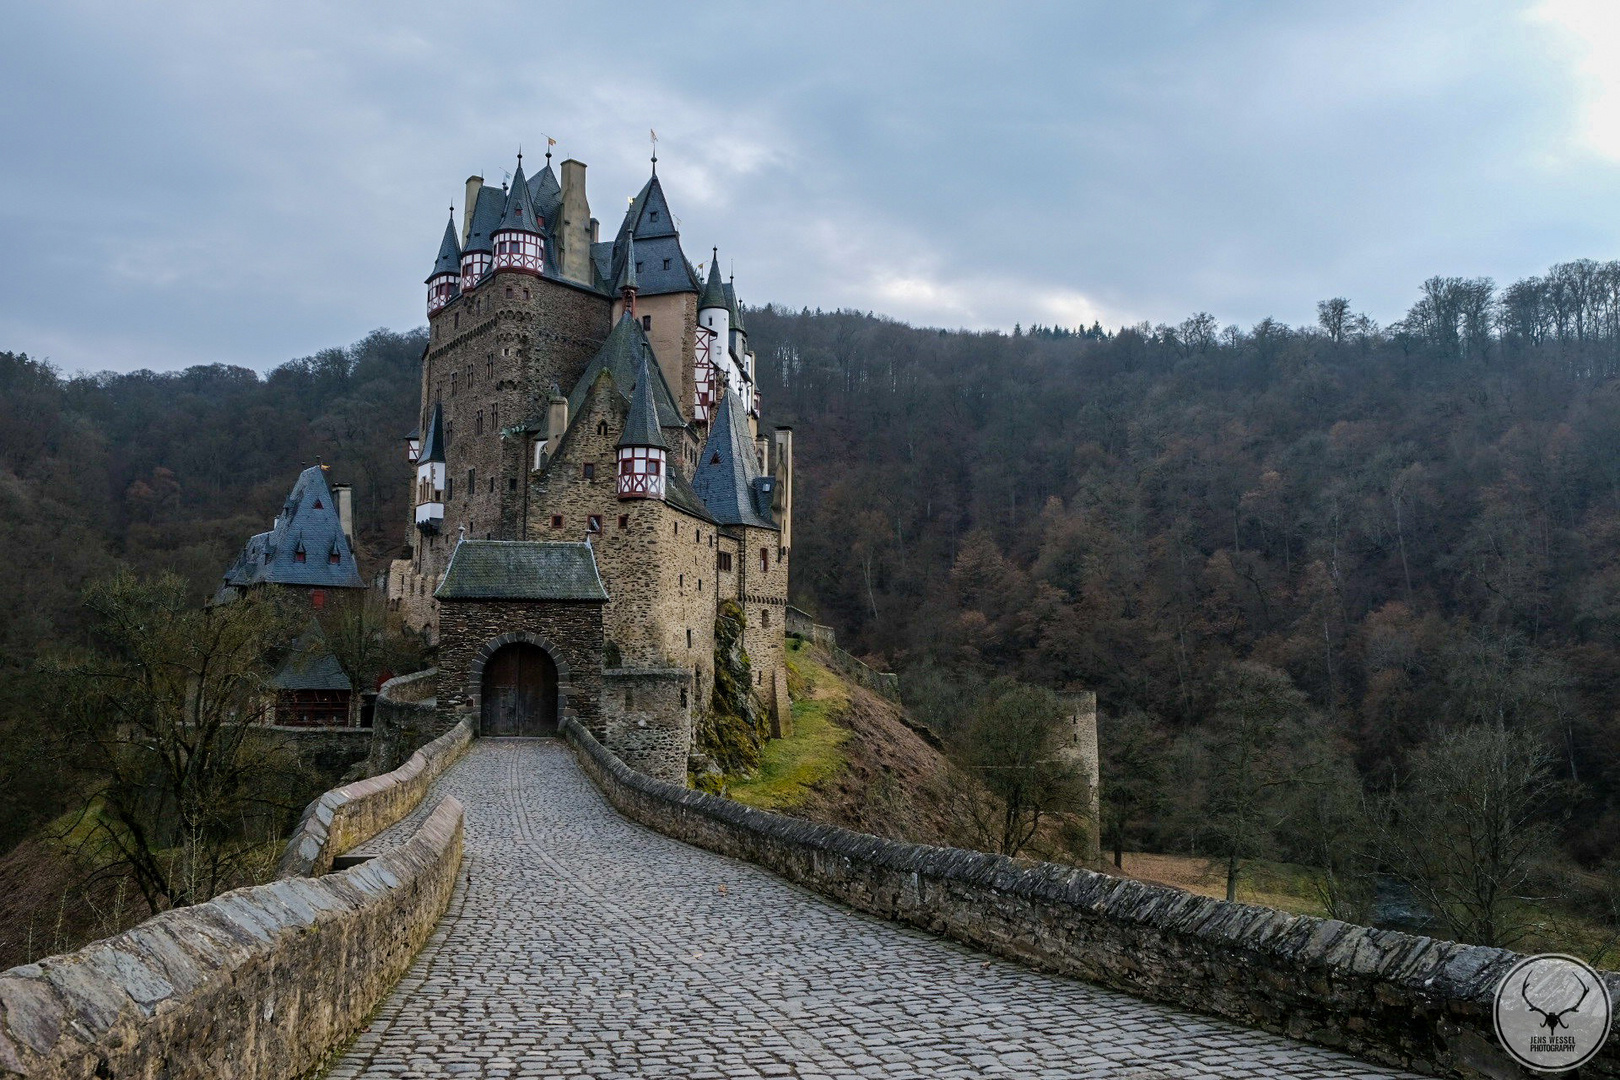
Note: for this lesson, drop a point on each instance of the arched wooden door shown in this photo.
(519, 692)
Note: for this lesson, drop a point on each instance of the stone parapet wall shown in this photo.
(405, 718)
(346, 817)
(1381, 995)
(261, 983)
(887, 683)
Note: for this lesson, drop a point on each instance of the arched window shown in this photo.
(601, 427)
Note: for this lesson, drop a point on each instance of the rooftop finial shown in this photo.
(550, 142)
(654, 134)
(520, 155)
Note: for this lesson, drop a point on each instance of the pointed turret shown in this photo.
(627, 276)
(714, 292)
(728, 477)
(430, 475)
(517, 239)
(715, 372)
(445, 281)
(643, 457)
(489, 205)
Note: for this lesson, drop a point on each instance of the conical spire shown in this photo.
(627, 276)
(641, 426)
(433, 445)
(519, 215)
(449, 260)
(714, 293)
(728, 467)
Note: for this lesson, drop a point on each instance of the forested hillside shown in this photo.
(1420, 525)
(1417, 525)
(169, 471)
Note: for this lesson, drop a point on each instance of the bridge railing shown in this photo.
(348, 816)
(261, 983)
(1390, 997)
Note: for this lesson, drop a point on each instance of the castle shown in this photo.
(591, 478)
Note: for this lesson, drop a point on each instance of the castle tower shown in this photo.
(712, 376)
(430, 476)
(643, 454)
(517, 241)
(444, 284)
(483, 213)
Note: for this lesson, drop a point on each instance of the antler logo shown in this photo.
(1547, 1017)
(1552, 1021)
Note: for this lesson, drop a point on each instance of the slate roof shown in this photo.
(433, 445)
(488, 209)
(627, 275)
(728, 467)
(521, 570)
(714, 292)
(641, 426)
(546, 192)
(302, 525)
(311, 665)
(736, 308)
(518, 214)
(449, 260)
(620, 357)
(657, 242)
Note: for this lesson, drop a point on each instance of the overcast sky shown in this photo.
(245, 183)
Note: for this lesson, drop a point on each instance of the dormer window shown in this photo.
(638, 266)
(666, 264)
(298, 556)
(317, 504)
(334, 558)
(652, 215)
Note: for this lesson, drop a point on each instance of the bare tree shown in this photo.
(1468, 827)
(1334, 318)
(1251, 757)
(1012, 744)
(1133, 771)
(179, 794)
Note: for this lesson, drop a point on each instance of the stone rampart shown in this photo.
(1381, 995)
(347, 817)
(258, 984)
(887, 683)
(405, 718)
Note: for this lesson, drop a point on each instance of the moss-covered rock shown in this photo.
(732, 730)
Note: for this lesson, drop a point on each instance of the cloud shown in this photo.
(1590, 30)
(250, 182)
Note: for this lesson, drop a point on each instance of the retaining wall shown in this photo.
(1381, 995)
(258, 984)
(346, 817)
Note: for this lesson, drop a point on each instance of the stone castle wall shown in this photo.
(493, 356)
(763, 596)
(672, 316)
(260, 983)
(647, 719)
(1381, 995)
(570, 631)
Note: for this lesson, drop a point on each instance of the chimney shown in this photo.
(576, 234)
(474, 184)
(596, 231)
(782, 469)
(556, 421)
(344, 494)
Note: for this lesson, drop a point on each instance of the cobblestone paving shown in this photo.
(579, 944)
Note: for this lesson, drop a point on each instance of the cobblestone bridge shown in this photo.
(581, 945)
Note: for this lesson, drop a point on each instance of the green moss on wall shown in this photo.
(732, 730)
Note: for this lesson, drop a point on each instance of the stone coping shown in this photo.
(1381, 995)
(346, 817)
(261, 983)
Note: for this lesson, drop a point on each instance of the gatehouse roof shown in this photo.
(521, 570)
